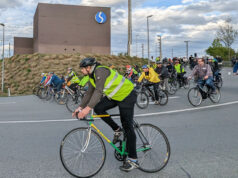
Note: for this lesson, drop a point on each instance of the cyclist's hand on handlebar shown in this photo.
(83, 113)
(189, 78)
(78, 110)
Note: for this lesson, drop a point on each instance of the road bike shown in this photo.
(143, 95)
(218, 80)
(199, 93)
(73, 98)
(83, 152)
(173, 84)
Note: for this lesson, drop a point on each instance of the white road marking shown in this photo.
(9, 103)
(138, 115)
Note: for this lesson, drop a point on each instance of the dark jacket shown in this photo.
(162, 71)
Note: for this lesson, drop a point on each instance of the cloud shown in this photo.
(9, 3)
(194, 20)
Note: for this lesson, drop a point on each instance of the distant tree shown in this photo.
(227, 34)
(217, 49)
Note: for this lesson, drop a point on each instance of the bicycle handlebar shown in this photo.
(96, 116)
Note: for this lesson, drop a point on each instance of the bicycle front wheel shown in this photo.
(73, 102)
(142, 100)
(82, 152)
(157, 155)
(194, 96)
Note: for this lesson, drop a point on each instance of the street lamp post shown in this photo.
(136, 45)
(148, 38)
(2, 56)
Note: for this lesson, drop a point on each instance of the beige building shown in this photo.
(68, 29)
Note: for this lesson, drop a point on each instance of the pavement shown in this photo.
(203, 139)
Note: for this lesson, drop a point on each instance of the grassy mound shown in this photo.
(22, 72)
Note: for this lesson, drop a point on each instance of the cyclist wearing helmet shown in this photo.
(152, 78)
(163, 73)
(73, 79)
(108, 89)
(180, 72)
(55, 81)
(44, 76)
(131, 73)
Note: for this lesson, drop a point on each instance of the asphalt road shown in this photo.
(203, 140)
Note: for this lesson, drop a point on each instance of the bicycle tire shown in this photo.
(77, 152)
(162, 146)
(163, 97)
(71, 105)
(196, 92)
(171, 88)
(142, 97)
(218, 95)
(62, 99)
(219, 82)
(186, 83)
(42, 93)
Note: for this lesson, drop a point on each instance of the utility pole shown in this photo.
(148, 38)
(136, 45)
(142, 47)
(172, 53)
(2, 57)
(160, 46)
(187, 48)
(129, 29)
(9, 51)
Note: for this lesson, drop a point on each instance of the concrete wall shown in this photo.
(71, 29)
(23, 45)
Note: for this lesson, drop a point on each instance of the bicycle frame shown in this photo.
(122, 152)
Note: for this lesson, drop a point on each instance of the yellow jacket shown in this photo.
(152, 77)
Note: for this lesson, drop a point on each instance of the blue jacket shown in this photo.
(55, 80)
(43, 79)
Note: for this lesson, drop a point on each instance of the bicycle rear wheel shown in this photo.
(163, 97)
(219, 82)
(73, 102)
(157, 156)
(82, 152)
(172, 88)
(142, 100)
(194, 96)
(215, 98)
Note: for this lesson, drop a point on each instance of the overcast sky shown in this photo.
(176, 20)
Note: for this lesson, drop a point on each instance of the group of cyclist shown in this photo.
(71, 80)
(108, 89)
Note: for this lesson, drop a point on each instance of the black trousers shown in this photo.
(155, 87)
(126, 108)
(180, 78)
(73, 86)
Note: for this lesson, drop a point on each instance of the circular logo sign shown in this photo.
(101, 17)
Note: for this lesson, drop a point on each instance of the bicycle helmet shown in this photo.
(158, 62)
(87, 62)
(145, 67)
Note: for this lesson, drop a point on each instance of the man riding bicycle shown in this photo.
(55, 81)
(108, 89)
(163, 73)
(153, 80)
(73, 79)
(204, 73)
(214, 67)
(131, 73)
(180, 72)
